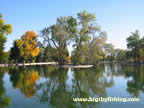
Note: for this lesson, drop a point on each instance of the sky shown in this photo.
(117, 17)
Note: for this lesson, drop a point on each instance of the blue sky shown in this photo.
(117, 17)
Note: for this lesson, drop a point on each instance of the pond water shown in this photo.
(51, 87)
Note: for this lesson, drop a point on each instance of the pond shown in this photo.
(52, 87)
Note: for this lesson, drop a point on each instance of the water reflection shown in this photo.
(136, 84)
(54, 90)
(25, 80)
(58, 86)
(4, 100)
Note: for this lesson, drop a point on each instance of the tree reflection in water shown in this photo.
(4, 100)
(134, 74)
(85, 83)
(136, 84)
(25, 80)
(54, 89)
(58, 86)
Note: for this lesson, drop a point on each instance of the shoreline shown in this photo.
(67, 65)
(47, 63)
(74, 66)
(27, 64)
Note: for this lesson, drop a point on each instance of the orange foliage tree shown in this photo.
(28, 45)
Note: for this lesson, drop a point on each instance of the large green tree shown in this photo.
(58, 37)
(5, 29)
(89, 41)
(135, 46)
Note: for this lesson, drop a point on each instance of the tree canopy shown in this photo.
(5, 29)
(136, 46)
(58, 36)
(28, 45)
(89, 40)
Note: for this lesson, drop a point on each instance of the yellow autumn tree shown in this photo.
(28, 45)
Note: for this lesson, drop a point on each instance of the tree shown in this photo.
(120, 55)
(5, 29)
(48, 55)
(14, 53)
(59, 36)
(142, 54)
(6, 57)
(28, 45)
(86, 23)
(40, 56)
(135, 45)
(89, 41)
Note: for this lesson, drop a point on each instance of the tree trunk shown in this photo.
(24, 63)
